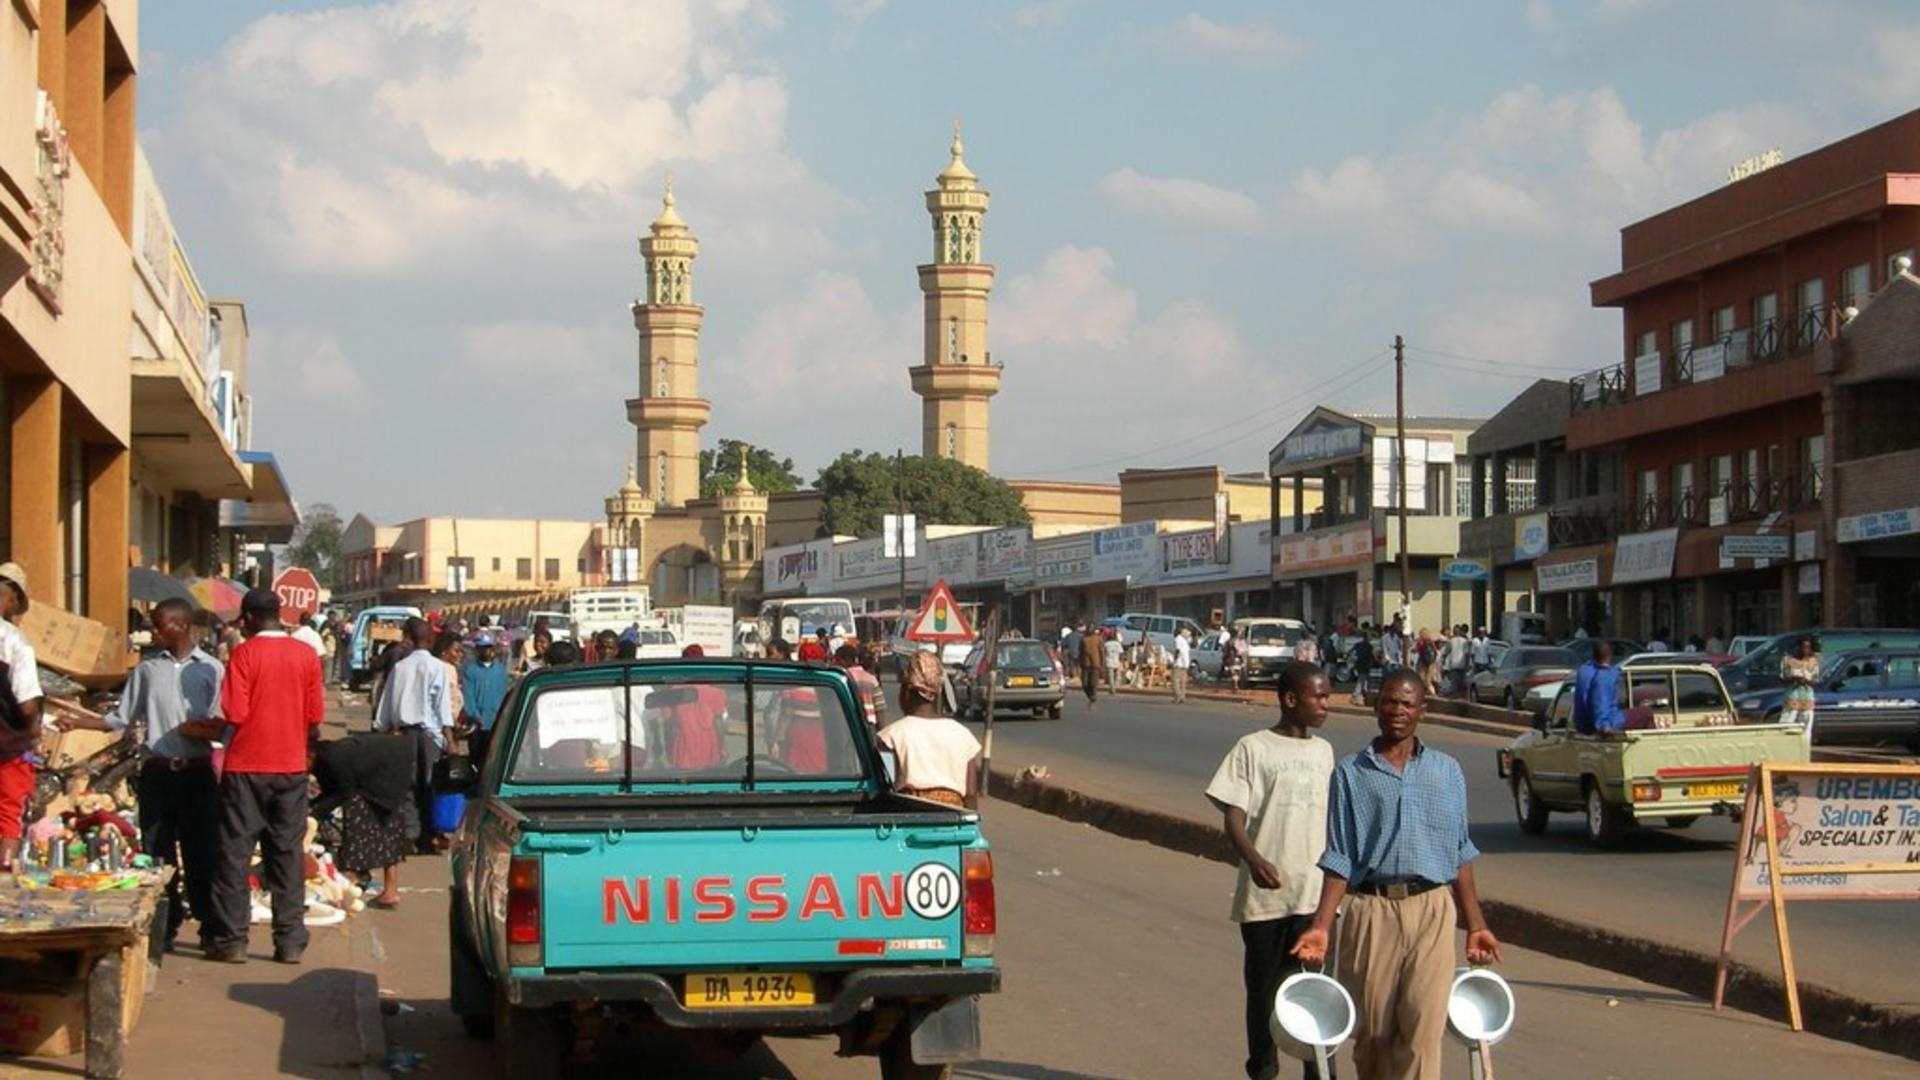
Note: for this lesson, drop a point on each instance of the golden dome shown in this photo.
(956, 169)
(669, 217)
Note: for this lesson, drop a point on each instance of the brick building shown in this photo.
(1717, 409)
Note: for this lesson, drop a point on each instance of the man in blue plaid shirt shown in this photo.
(1398, 853)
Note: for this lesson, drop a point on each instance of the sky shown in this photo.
(1205, 220)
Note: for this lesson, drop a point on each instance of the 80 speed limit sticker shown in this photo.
(933, 890)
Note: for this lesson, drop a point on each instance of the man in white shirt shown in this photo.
(304, 633)
(1482, 650)
(1182, 664)
(1459, 655)
(417, 703)
(20, 730)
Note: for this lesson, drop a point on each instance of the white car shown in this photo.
(657, 643)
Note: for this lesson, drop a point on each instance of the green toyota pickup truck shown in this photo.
(1682, 756)
(711, 847)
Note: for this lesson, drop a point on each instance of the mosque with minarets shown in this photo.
(659, 532)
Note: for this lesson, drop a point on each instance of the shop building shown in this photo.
(1340, 560)
(1872, 509)
(1531, 497)
(1716, 408)
(67, 78)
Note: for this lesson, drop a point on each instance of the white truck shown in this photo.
(803, 615)
(615, 609)
(706, 625)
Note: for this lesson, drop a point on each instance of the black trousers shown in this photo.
(180, 826)
(270, 810)
(425, 753)
(1265, 967)
(1090, 682)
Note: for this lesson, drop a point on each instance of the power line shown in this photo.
(1216, 429)
(1492, 363)
(1520, 375)
(1351, 379)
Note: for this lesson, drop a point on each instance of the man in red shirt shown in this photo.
(273, 702)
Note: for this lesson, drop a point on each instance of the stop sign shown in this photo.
(299, 594)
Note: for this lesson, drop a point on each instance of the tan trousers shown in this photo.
(1179, 684)
(1396, 959)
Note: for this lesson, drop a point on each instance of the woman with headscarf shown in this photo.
(935, 756)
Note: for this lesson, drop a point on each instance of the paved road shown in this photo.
(1120, 963)
(1664, 885)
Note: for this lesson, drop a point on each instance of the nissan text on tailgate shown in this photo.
(711, 847)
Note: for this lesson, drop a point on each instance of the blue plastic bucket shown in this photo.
(447, 812)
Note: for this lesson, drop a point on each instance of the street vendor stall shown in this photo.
(73, 961)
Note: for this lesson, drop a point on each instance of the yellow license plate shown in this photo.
(748, 989)
(1729, 789)
(1019, 680)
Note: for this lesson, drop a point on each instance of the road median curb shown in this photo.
(1826, 1011)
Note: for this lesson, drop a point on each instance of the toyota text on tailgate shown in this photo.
(712, 847)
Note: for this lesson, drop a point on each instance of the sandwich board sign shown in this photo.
(1827, 831)
(940, 618)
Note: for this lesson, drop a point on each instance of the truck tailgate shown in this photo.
(849, 892)
(1711, 750)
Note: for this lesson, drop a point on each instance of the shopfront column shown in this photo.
(109, 495)
(35, 404)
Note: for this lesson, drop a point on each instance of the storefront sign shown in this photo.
(1328, 443)
(862, 559)
(1880, 526)
(1188, 554)
(792, 567)
(1806, 545)
(1063, 562)
(1531, 536)
(1567, 576)
(953, 558)
(1465, 570)
(1003, 554)
(1646, 374)
(1820, 832)
(1125, 551)
(1315, 553)
(1750, 546)
(1646, 556)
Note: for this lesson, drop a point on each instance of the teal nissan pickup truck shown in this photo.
(710, 847)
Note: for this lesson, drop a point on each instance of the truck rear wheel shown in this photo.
(1606, 823)
(1527, 807)
(896, 1061)
(531, 1042)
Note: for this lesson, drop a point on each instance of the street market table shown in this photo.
(89, 943)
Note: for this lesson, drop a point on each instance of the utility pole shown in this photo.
(1400, 474)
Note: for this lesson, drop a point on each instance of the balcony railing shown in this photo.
(1764, 342)
(1736, 501)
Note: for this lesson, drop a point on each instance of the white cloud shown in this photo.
(384, 137)
(304, 365)
(1539, 14)
(1890, 79)
(1073, 299)
(1042, 14)
(1181, 200)
(1248, 42)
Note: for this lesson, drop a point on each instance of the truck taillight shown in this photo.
(978, 919)
(523, 913)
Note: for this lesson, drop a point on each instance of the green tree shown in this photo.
(858, 489)
(316, 543)
(720, 467)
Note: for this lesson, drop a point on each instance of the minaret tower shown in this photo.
(743, 536)
(628, 511)
(669, 411)
(956, 377)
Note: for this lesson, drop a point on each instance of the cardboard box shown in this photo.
(88, 652)
(43, 1024)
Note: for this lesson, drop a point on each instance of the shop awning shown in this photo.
(270, 514)
(176, 435)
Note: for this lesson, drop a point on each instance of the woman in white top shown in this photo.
(935, 757)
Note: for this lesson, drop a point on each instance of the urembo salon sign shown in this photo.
(1646, 556)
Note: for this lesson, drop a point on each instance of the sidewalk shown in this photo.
(318, 1019)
